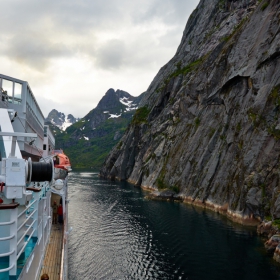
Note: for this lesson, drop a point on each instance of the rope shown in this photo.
(41, 171)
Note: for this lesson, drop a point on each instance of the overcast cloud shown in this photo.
(72, 51)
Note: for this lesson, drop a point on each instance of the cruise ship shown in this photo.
(28, 189)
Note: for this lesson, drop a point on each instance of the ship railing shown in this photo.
(25, 209)
(6, 238)
(29, 227)
(64, 239)
(66, 232)
(25, 244)
(7, 269)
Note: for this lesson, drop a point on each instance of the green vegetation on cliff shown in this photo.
(88, 141)
(141, 115)
(91, 153)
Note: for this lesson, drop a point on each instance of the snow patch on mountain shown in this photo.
(61, 120)
(130, 106)
(114, 116)
(66, 124)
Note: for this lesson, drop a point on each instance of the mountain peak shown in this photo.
(98, 131)
(110, 91)
(60, 120)
(112, 101)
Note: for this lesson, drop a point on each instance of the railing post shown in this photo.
(36, 196)
(24, 93)
(13, 92)
(20, 232)
(49, 213)
(13, 241)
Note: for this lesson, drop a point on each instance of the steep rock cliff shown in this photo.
(209, 124)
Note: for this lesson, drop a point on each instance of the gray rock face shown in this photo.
(210, 120)
(113, 104)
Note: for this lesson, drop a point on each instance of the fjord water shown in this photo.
(118, 234)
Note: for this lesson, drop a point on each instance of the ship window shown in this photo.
(8, 87)
(13, 91)
(44, 147)
(17, 93)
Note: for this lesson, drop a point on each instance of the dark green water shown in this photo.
(117, 234)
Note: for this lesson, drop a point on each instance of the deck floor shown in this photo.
(52, 259)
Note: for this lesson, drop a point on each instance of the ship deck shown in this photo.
(52, 261)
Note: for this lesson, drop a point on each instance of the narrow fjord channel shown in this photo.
(118, 234)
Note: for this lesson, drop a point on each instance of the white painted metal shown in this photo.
(6, 126)
(15, 172)
(19, 134)
(32, 218)
(13, 241)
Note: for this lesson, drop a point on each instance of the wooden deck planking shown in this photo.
(52, 259)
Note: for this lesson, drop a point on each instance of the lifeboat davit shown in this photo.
(62, 165)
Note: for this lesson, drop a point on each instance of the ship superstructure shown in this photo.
(27, 184)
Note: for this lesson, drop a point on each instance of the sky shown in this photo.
(72, 51)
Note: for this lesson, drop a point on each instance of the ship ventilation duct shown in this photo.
(41, 171)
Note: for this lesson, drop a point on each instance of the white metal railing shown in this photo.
(7, 254)
(22, 236)
(24, 211)
(25, 243)
(5, 239)
(7, 223)
(27, 219)
(7, 269)
(25, 226)
(29, 227)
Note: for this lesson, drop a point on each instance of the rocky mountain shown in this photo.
(88, 141)
(60, 119)
(208, 128)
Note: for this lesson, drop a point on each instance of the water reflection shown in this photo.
(120, 235)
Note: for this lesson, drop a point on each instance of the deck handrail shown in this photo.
(27, 219)
(7, 238)
(25, 243)
(7, 223)
(7, 269)
(7, 254)
(25, 209)
(29, 227)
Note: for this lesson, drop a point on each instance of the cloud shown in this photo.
(64, 48)
(34, 51)
(111, 55)
(104, 31)
(171, 12)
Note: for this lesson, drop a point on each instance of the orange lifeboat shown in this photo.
(62, 164)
